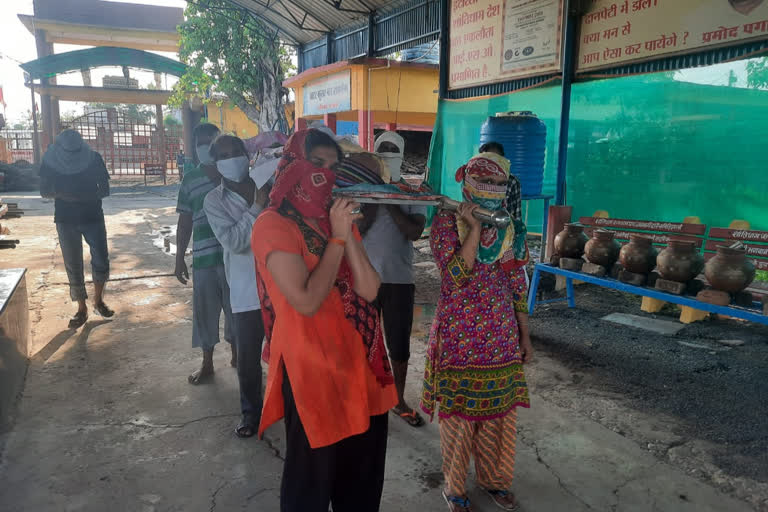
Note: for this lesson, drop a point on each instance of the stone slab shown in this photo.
(625, 276)
(595, 270)
(743, 299)
(575, 264)
(14, 339)
(663, 327)
(731, 343)
(670, 286)
(715, 297)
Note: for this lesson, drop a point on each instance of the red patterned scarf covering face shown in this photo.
(303, 191)
(505, 245)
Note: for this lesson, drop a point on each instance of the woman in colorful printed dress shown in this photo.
(479, 339)
(329, 375)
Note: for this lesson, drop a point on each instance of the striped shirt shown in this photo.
(206, 250)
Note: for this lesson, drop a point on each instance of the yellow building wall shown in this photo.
(399, 88)
(230, 119)
(403, 89)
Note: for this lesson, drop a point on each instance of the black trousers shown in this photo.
(249, 336)
(395, 301)
(348, 475)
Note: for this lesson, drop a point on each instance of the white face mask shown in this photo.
(234, 169)
(394, 161)
(204, 154)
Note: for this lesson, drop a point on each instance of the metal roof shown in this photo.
(303, 21)
(101, 56)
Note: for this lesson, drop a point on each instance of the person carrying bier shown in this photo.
(231, 209)
(388, 235)
(514, 188)
(479, 339)
(329, 375)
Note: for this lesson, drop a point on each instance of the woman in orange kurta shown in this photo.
(329, 374)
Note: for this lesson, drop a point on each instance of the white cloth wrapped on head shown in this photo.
(394, 160)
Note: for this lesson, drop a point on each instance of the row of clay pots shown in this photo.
(729, 271)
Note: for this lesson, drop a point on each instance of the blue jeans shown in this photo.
(71, 242)
(249, 335)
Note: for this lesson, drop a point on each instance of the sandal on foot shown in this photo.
(78, 320)
(412, 418)
(103, 310)
(505, 500)
(457, 504)
(245, 429)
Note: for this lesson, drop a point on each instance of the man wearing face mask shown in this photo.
(388, 235)
(209, 284)
(232, 208)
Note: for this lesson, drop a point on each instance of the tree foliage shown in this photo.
(230, 52)
(757, 73)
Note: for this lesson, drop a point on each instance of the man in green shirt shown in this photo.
(209, 281)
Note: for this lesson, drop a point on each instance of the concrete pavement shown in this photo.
(108, 421)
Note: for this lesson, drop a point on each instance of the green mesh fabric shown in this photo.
(641, 147)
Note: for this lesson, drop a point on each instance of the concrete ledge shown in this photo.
(14, 338)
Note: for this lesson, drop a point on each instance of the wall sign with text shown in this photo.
(498, 40)
(328, 94)
(615, 32)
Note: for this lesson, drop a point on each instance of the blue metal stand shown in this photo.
(753, 314)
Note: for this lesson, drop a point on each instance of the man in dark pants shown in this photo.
(76, 177)
(231, 209)
(388, 235)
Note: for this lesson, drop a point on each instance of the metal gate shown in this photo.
(127, 144)
(16, 145)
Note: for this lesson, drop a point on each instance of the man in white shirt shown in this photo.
(232, 208)
(388, 235)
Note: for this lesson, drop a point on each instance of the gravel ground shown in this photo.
(701, 407)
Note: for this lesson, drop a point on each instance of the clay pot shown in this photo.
(569, 243)
(730, 270)
(602, 249)
(639, 255)
(680, 261)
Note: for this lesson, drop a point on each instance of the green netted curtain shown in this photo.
(643, 147)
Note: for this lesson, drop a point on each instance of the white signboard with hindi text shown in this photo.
(328, 94)
(500, 40)
(615, 32)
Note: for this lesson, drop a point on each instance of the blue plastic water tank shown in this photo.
(428, 53)
(524, 137)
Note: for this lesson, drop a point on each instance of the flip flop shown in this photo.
(457, 504)
(412, 418)
(103, 310)
(499, 496)
(78, 320)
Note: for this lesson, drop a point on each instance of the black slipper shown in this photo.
(78, 320)
(103, 310)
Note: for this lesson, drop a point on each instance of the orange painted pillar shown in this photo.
(330, 121)
(558, 217)
(362, 128)
(391, 127)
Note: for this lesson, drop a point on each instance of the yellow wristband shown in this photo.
(337, 241)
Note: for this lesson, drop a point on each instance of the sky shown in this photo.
(18, 45)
